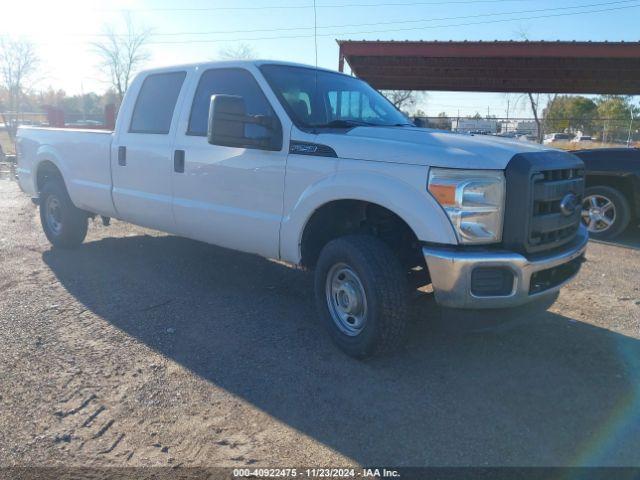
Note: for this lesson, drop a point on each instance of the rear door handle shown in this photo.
(178, 161)
(122, 156)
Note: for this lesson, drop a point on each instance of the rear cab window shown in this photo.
(156, 102)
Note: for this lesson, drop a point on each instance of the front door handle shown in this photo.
(178, 161)
(122, 156)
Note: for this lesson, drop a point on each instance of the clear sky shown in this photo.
(196, 30)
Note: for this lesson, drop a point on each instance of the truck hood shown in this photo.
(420, 146)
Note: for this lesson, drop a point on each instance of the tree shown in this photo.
(616, 113)
(122, 55)
(75, 107)
(241, 51)
(18, 65)
(442, 121)
(535, 104)
(403, 100)
(50, 96)
(534, 101)
(575, 113)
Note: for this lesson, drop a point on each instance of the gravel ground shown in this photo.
(146, 349)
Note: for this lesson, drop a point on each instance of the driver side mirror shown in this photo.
(228, 120)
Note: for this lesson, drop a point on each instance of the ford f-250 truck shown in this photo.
(318, 169)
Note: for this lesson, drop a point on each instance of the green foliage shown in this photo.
(615, 112)
(607, 118)
(72, 105)
(571, 113)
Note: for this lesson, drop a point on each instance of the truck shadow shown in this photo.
(630, 238)
(533, 389)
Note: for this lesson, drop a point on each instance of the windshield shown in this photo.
(317, 98)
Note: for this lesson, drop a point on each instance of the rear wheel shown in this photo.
(63, 223)
(605, 212)
(362, 295)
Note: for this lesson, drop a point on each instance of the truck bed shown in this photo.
(86, 167)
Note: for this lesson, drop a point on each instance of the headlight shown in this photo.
(474, 201)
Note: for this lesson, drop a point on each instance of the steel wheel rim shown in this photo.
(346, 299)
(598, 213)
(53, 215)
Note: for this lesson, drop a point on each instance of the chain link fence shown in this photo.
(597, 131)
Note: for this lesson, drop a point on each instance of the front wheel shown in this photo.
(362, 295)
(63, 223)
(605, 212)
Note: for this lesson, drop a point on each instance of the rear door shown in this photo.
(142, 154)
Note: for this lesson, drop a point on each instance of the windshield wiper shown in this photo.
(340, 124)
(357, 123)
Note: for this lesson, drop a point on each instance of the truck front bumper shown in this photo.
(497, 279)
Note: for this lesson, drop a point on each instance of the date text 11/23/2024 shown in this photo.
(315, 473)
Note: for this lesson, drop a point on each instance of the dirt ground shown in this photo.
(146, 349)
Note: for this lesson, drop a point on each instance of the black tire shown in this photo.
(386, 294)
(622, 211)
(72, 222)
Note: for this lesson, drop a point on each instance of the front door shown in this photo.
(228, 196)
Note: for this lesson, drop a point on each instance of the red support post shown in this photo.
(110, 116)
(55, 116)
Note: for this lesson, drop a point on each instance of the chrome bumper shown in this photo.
(451, 270)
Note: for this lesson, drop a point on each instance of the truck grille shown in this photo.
(537, 190)
(549, 225)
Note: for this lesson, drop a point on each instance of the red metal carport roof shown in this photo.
(540, 67)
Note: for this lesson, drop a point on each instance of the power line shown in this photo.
(396, 22)
(424, 27)
(496, 21)
(333, 34)
(308, 6)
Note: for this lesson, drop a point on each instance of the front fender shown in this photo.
(405, 195)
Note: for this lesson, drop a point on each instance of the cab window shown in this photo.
(156, 103)
(228, 81)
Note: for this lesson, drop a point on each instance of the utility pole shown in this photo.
(508, 99)
(84, 102)
(630, 127)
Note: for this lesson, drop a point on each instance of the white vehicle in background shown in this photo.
(556, 138)
(527, 138)
(582, 139)
(318, 169)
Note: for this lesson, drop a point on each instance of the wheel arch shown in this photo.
(358, 192)
(45, 170)
(347, 216)
(48, 165)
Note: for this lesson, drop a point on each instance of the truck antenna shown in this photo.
(315, 30)
(315, 42)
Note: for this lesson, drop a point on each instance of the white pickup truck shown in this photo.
(318, 169)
